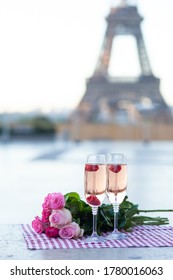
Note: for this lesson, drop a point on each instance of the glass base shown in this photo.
(116, 235)
(94, 238)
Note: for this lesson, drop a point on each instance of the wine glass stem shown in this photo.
(94, 212)
(116, 209)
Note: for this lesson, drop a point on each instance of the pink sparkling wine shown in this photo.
(95, 183)
(116, 182)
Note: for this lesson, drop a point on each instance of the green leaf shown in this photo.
(72, 195)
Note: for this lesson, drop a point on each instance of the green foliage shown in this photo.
(42, 124)
(128, 215)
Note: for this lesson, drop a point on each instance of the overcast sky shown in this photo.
(48, 48)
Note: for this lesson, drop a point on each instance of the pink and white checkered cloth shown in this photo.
(141, 236)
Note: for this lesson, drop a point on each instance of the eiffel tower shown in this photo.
(109, 98)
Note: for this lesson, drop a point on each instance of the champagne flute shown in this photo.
(95, 179)
(116, 187)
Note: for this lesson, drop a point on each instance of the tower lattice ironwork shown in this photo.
(122, 99)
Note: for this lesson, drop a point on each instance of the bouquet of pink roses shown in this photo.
(56, 220)
(68, 216)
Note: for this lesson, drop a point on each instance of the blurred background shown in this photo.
(78, 77)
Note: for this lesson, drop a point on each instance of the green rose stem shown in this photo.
(156, 210)
(153, 220)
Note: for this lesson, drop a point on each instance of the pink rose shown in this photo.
(37, 225)
(60, 218)
(52, 232)
(45, 215)
(71, 231)
(46, 203)
(54, 201)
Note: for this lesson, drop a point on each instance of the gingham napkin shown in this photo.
(141, 236)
